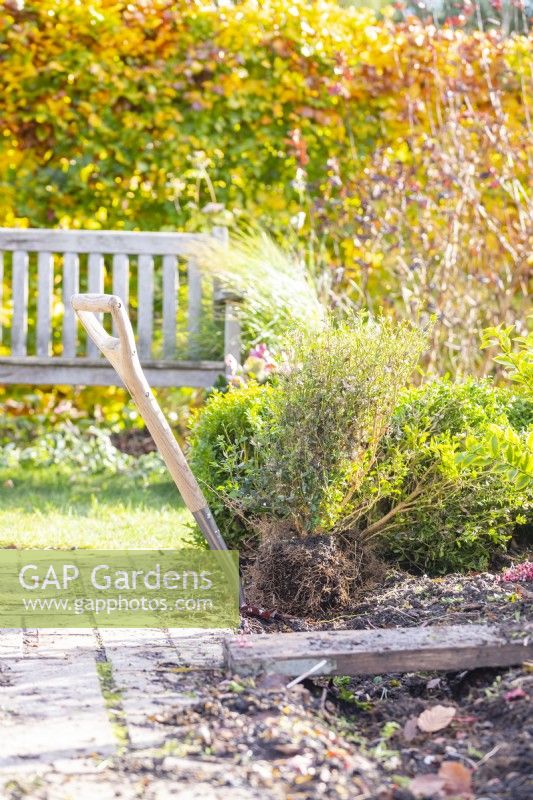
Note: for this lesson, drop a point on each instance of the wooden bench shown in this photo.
(156, 274)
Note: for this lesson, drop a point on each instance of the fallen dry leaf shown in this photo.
(436, 718)
(457, 779)
(287, 748)
(410, 729)
(271, 680)
(427, 786)
(453, 780)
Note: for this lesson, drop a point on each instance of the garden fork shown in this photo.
(121, 352)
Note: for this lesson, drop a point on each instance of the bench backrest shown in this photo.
(156, 274)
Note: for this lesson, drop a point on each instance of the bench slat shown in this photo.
(145, 305)
(232, 326)
(71, 283)
(194, 306)
(121, 280)
(1, 290)
(95, 285)
(19, 329)
(45, 282)
(232, 331)
(170, 287)
(82, 371)
(129, 242)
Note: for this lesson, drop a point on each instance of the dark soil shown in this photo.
(308, 743)
(358, 738)
(134, 442)
(405, 600)
(491, 734)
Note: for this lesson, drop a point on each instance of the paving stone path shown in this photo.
(73, 701)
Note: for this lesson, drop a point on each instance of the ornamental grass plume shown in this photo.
(277, 291)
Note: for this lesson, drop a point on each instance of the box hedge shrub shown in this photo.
(428, 509)
(225, 458)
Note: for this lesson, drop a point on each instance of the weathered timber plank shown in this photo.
(232, 325)
(232, 331)
(368, 652)
(129, 242)
(87, 372)
(221, 235)
(121, 281)
(82, 361)
(45, 279)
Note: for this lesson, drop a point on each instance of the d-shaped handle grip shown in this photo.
(87, 306)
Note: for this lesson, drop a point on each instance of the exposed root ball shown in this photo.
(305, 576)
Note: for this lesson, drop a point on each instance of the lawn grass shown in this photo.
(52, 508)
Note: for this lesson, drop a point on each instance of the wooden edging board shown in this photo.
(379, 651)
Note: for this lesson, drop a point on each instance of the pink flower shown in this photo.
(259, 351)
(522, 573)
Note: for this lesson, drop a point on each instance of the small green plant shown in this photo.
(507, 450)
(516, 354)
(382, 751)
(346, 695)
(225, 457)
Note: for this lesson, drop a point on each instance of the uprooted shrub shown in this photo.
(279, 449)
(422, 503)
(332, 405)
(312, 574)
(335, 463)
(413, 500)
